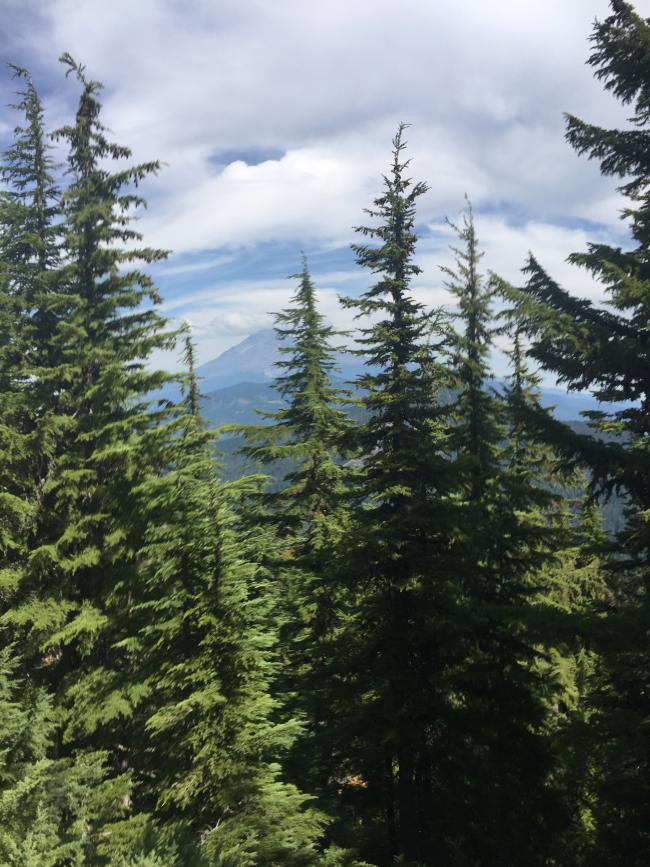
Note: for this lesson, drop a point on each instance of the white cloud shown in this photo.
(325, 84)
(195, 267)
(506, 248)
(222, 313)
(322, 86)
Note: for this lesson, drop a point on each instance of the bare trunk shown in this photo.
(408, 805)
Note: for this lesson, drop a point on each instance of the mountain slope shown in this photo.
(253, 361)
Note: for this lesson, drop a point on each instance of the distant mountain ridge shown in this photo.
(238, 382)
(254, 360)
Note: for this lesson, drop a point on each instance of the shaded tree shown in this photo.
(393, 705)
(605, 349)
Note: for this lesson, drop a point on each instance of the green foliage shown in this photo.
(29, 301)
(307, 513)
(606, 350)
(53, 812)
(208, 637)
(309, 431)
(426, 655)
(506, 527)
(478, 428)
(390, 660)
(69, 604)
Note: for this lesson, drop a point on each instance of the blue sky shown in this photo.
(274, 122)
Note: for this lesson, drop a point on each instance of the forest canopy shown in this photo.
(406, 637)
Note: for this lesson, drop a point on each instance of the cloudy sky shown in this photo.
(274, 119)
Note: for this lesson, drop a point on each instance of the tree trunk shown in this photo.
(409, 837)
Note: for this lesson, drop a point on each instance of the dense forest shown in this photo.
(420, 646)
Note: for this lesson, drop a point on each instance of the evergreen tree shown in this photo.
(573, 588)
(569, 591)
(71, 608)
(53, 812)
(506, 521)
(29, 300)
(308, 513)
(479, 426)
(392, 709)
(566, 579)
(605, 350)
(15, 510)
(309, 430)
(209, 641)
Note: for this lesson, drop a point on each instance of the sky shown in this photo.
(273, 121)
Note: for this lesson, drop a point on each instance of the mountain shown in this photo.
(237, 385)
(238, 403)
(568, 405)
(243, 402)
(254, 359)
(238, 382)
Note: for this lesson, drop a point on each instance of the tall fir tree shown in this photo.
(71, 609)
(393, 707)
(30, 304)
(15, 490)
(605, 349)
(308, 511)
(209, 638)
(309, 431)
(503, 514)
(479, 413)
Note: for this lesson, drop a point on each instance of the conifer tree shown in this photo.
(308, 514)
(309, 430)
(28, 309)
(503, 512)
(209, 639)
(14, 485)
(479, 423)
(71, 609)
(572, 588)
(605, 350)
(308, 434)
(392, 707)
(53, 812)
(567, 579)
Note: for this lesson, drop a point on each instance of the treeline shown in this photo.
(418, 650)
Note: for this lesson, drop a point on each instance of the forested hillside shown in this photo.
(404, 635)
(254, 401)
